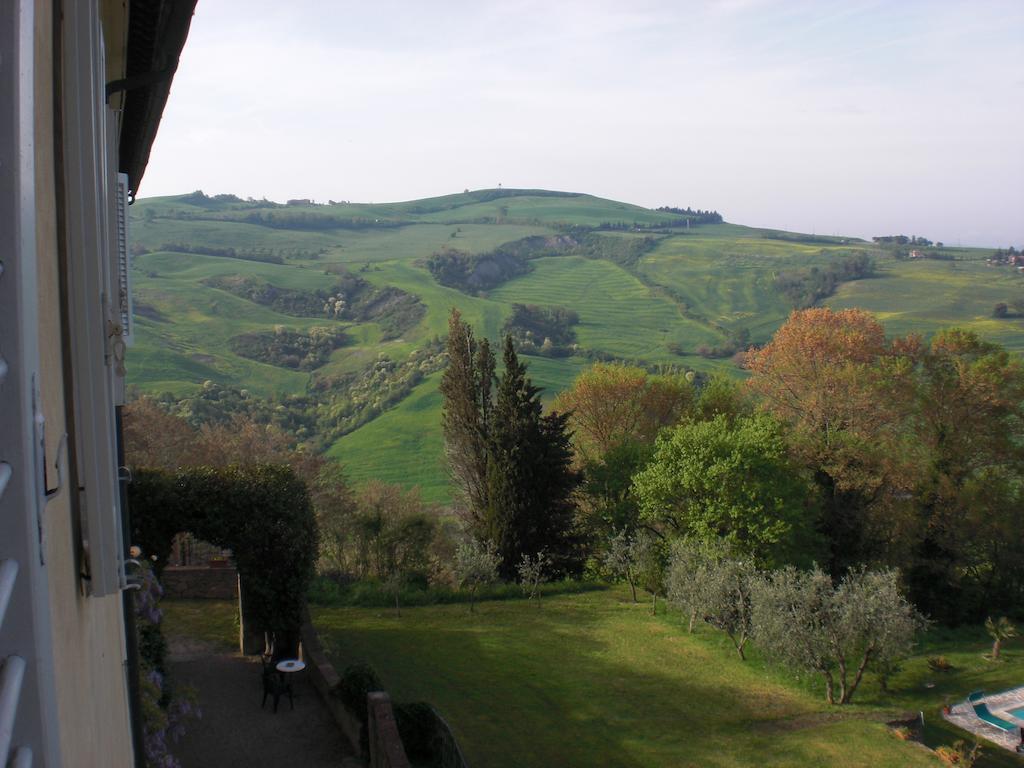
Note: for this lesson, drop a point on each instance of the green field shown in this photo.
(592, 679)
(693, 288)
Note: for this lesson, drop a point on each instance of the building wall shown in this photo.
(88, 631)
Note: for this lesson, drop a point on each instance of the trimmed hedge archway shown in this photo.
(261, 512)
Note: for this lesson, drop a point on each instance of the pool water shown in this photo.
(1018, 712)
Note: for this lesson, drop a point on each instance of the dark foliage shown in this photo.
(902, 240)
(696, 216)
(542, 330)
(289, 349)
(737, 341)
(262, 513)
(471, 273)
(287, 301)
(356, 681)
(262, 255)
(417, 727)
(624, 251)
(392, 308)
(530, 479)
(807, 286)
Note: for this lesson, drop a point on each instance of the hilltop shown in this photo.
(329, 315)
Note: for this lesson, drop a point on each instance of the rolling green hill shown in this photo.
(645, 285)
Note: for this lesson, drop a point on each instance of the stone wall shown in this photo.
(198, 582)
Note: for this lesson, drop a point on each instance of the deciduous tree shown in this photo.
(731, 481)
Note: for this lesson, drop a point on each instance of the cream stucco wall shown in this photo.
(88, 632)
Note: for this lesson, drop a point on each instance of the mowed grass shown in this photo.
(925, 296)
(403, 445)
(729, 281)
(213, 621)
(618, 314)
(592, 679)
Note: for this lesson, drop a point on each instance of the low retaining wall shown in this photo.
(386, 750)
(200, 582)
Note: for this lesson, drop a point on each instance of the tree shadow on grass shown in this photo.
(581, 681)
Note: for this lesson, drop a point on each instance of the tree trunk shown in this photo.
(693, 618)
(848, 694)
(829, 697)
(632, 586)
(654, 605)
(996, 647)
(739, 649)
(842, 679)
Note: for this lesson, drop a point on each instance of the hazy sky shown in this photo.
(859, 118)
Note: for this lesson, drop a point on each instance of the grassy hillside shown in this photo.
(645, 288)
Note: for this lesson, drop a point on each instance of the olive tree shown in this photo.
(640, 560)
(803, 620)
(532, 573)
(707, 580)
(475, 565)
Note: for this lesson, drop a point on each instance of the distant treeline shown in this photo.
(695, 216)
(805, 287)
(924, 242)
(796, 237)
(284, 217)
(265, 255)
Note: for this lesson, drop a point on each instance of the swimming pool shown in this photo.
(1018, 712)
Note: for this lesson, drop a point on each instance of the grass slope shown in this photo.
(592, 679)
(692, 289)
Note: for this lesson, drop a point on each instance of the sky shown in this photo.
(847, 117)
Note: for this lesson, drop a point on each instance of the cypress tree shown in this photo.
(529, 474)
(466, 389)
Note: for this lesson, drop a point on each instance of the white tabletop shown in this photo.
(290, 665)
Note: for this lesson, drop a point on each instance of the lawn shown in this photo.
(592, 679)
(212, 621)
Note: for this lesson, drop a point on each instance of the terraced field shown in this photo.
(692, 287)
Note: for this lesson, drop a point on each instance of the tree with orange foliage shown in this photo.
(159, 440)
(616, 412)
(842, 388)
(612, 404)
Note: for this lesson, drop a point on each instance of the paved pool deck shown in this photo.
(962, 715)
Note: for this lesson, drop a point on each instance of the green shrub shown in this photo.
(417, 726)
(356, 682)
(328, 591)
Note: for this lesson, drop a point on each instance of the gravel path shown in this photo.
(234, 731)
